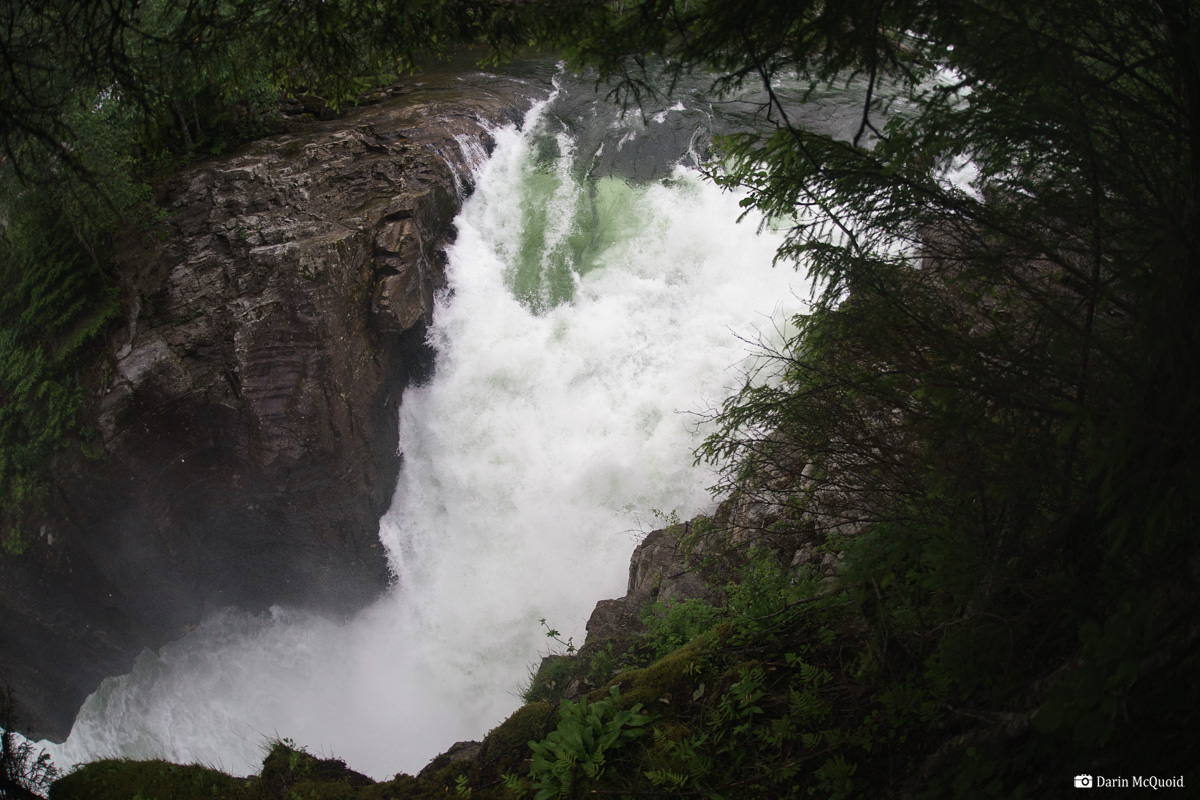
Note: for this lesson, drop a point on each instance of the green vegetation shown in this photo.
(671, 625)
(57, 298)
(577, 751)
(991, 414)
(149, 780)
(196, 76)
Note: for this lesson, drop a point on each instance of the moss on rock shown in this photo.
(149, 780)
(671, 680)
(506, 747)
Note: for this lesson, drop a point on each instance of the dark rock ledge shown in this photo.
(247, 406)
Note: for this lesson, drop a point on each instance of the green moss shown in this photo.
(551, 679)
(148, 780)
(670, 681)
(507, 745)
(288, 770)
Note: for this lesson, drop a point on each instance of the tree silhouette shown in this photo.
(25, 773)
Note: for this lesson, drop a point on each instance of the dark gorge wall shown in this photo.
(247, 405)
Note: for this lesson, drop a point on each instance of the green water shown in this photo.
(568, 227)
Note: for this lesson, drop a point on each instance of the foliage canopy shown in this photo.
(993, 408)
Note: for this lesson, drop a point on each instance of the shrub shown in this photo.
(577, 751)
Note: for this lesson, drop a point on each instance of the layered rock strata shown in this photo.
(248, 405)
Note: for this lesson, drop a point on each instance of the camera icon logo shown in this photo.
(1083, 781)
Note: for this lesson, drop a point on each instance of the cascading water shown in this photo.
(598, 294)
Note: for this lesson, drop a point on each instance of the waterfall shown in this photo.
(598, 297)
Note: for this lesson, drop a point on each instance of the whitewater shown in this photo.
(592, 315)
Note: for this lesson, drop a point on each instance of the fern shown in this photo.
(57, 303)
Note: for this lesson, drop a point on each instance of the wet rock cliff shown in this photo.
(247, 404)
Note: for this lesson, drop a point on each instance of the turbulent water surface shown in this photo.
(600, 292)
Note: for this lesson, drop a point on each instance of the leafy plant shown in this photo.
(672, 624)
(602, 666)
(579, 748)
(548, 680)
(551, 633)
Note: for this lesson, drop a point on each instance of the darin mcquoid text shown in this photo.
(1135, 782)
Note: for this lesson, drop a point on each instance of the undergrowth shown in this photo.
(56, 302)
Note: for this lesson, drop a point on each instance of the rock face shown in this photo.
(659, 569)
(693, 559)
(248, 406)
